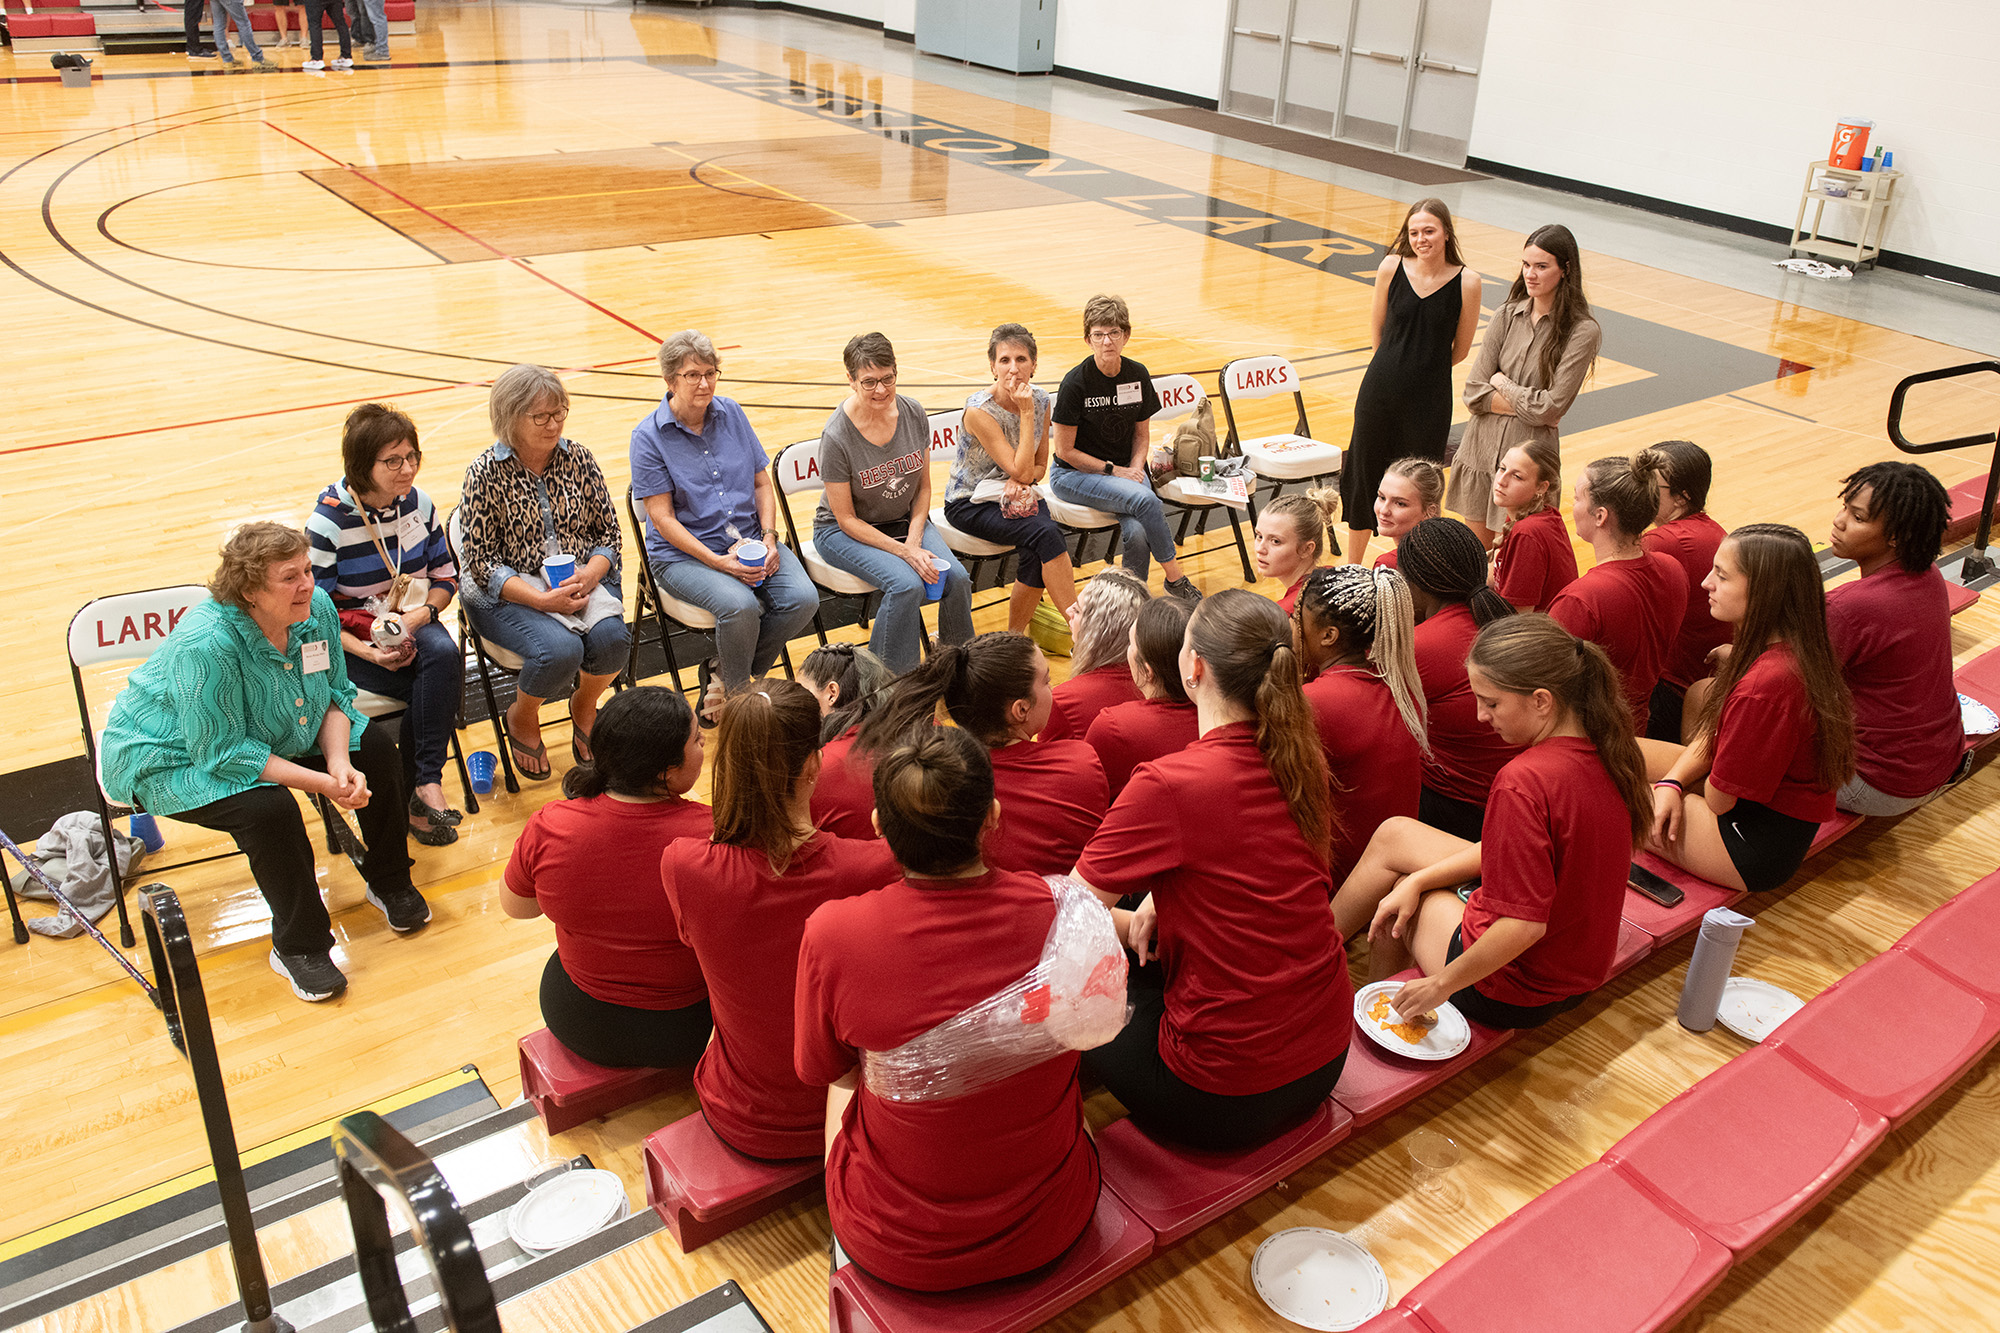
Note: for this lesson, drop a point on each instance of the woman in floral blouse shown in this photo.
(536, 495)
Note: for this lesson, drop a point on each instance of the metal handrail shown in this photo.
(369, 1152)
(179, 994)
(1977, 564)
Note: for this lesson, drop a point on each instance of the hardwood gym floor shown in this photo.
(204, 271)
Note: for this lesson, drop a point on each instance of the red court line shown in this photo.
(303, 407)
(495, 251)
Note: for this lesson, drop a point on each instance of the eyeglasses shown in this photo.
(398, 462)
(698, 376)
(1107, 335)
(874, 386)
(549, 418)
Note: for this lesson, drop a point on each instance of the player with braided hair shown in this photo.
(850, 683)
(1891, 632)
(1445, 567)
(1355, 628)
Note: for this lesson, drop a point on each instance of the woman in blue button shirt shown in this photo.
(250, 696)
(705, 482)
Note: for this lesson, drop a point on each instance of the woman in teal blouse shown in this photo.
(250, 696)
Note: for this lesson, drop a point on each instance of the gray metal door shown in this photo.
(1452, 43)
(1255, 72)
(1315, 64)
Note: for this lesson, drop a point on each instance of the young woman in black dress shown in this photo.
(1426, 308)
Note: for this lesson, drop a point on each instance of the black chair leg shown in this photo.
(464, 777)
(13, 908)
(125, 935)
(492, 707)
(1242, 550)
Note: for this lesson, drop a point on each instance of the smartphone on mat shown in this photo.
(1661, 892)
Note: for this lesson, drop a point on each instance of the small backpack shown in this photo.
(1179, 455)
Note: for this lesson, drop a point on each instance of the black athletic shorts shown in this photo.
(1497, 1013)
(1766, 847)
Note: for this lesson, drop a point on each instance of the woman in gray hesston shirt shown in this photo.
(874, 459)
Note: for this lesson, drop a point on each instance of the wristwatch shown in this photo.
(1107, 467)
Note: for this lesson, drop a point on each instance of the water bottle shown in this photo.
(1708, 971)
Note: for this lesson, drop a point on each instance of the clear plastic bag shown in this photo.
(1072, 1000)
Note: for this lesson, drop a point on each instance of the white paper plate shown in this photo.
(1319, 1279)
(1975, 718)
(1753, 1009)
(1451, 1035)
(563, 1211)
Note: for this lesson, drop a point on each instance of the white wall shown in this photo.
(1721, 103)
(1172, 44)
(868, 10)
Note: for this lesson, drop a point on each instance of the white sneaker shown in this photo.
(343, 63)
(314, 64)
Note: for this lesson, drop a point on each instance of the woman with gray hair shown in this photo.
(533, 497)
(705, 482)
(1100, 626)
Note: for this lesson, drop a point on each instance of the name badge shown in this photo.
(315, 656)
(1128, 394)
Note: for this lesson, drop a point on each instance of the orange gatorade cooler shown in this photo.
(1850, 143)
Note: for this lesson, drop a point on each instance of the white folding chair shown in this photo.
(1180, 396)
(797, 470)
(127, 628)
(946, 441)
(1292, 456)
(670, 614)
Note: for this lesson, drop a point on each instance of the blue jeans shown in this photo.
(899, 624)
(752, 625)
(430, 686)
(1142, 519)
(219, 14)
(551, 652)
(379, 48)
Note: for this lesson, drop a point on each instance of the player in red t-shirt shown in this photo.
(1534, 560)
(1541, 929)
(850, 683)
(1774, 733)
(1891, 632)
(1445, 566)
(1052, 793)
(621, 989)
(1242, 1027)
(928, 1191)
(1100, 621)
(1681, 472)
(1292, 533)
(1354, 629)
(1631, 601)
(1162, 720)
(1412, 490)
(741, 900)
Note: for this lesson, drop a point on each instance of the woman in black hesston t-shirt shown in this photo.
(1103, 416)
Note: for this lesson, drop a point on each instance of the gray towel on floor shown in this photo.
(72, 854)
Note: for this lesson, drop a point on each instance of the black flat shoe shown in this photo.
(433, 835)
(438, 818)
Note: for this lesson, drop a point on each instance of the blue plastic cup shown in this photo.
(480, 764)
(559, 569)
(933, 591)
(752, 555)
(148, 832)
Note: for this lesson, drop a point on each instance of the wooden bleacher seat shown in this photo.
(1890, 1035)
(568, 1090)
(1115, 1243)
(1746, 1151)
(1962, 938)
(1177, 1191)
(702, 1188)
(1593, 1255)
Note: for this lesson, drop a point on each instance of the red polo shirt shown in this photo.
(1892, 636)
(1128, 735)
(1555, 848)
(1052, 798)
(594, 868)
(1080, 699)
(1767, 743)
(843, 800)
(1535, 560)
(1376, 764)
(744, 923)
(1466, 754)
(1632, 609)
(944, 1194)
(1691, 541)
(1257, 988)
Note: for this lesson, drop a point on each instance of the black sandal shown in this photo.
(439, 818)
(540, 754)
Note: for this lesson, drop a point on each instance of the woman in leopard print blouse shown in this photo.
(532, 495)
